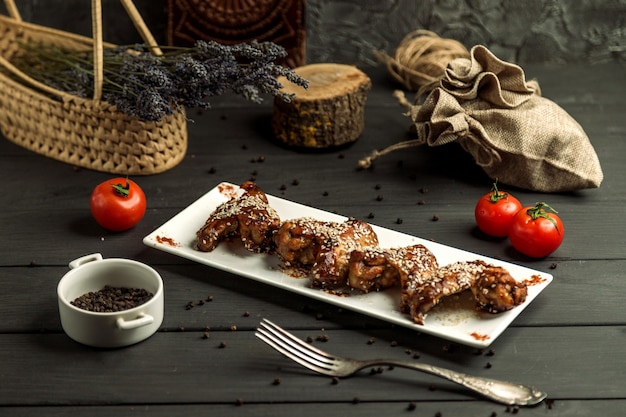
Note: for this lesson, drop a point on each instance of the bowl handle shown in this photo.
(84, 259)
(141, 320)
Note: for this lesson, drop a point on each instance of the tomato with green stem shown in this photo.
(494, 212)
(536, 231)
(118, 204)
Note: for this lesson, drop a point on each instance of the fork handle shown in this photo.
(500, 391)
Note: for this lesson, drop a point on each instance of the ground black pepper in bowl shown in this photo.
(112, 299)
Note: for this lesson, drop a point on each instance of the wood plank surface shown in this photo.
(569, 341)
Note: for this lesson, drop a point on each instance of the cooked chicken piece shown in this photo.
(442, 282)
(496, 290)
(248, 217)
(331, 267)
(298, 242)
(324, 247)
(415, 265)
(369, 270)
(375, 269)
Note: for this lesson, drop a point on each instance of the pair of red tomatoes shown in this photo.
(535, 231)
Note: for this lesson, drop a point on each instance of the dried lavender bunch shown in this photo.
(151, 87)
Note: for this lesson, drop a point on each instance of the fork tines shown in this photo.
(294, 348)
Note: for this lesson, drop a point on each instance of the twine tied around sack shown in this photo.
(485, 155)
(421, 58)
(419, 63)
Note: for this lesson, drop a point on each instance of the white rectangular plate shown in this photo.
(454, 319)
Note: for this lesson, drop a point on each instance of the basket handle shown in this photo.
(12, 9)
(98, 44)
(98, 48)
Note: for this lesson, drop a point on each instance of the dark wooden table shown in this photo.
(569, 341)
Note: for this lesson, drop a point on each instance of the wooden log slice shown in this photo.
(329, 113)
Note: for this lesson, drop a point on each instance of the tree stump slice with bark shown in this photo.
(329, 113)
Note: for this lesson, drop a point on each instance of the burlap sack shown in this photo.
(514, 134)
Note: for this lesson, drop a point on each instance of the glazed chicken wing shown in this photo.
(332, 264)
(299, 241)
(496, 290)
(369, 270)
(248, 217)
(375, 269)
(442, 282)
(323, 247)
(415, 264)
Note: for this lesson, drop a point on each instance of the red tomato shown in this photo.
(118, 204)
(494, 212)
(536, 232)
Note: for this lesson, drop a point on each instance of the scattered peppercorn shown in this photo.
(322, 338)
(212, 170)
(334, 381)
(436, 218)
(222, 345)
(398, 220)
(276, 381)
(370, 216)
(488, 365)
(371, 341)
(379, 198)
(421, 202)
(412, 406)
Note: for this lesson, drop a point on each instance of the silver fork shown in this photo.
(327, 364)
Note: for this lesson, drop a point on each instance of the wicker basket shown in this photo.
(88, 133)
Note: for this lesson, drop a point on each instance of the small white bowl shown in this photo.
(92, 273)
